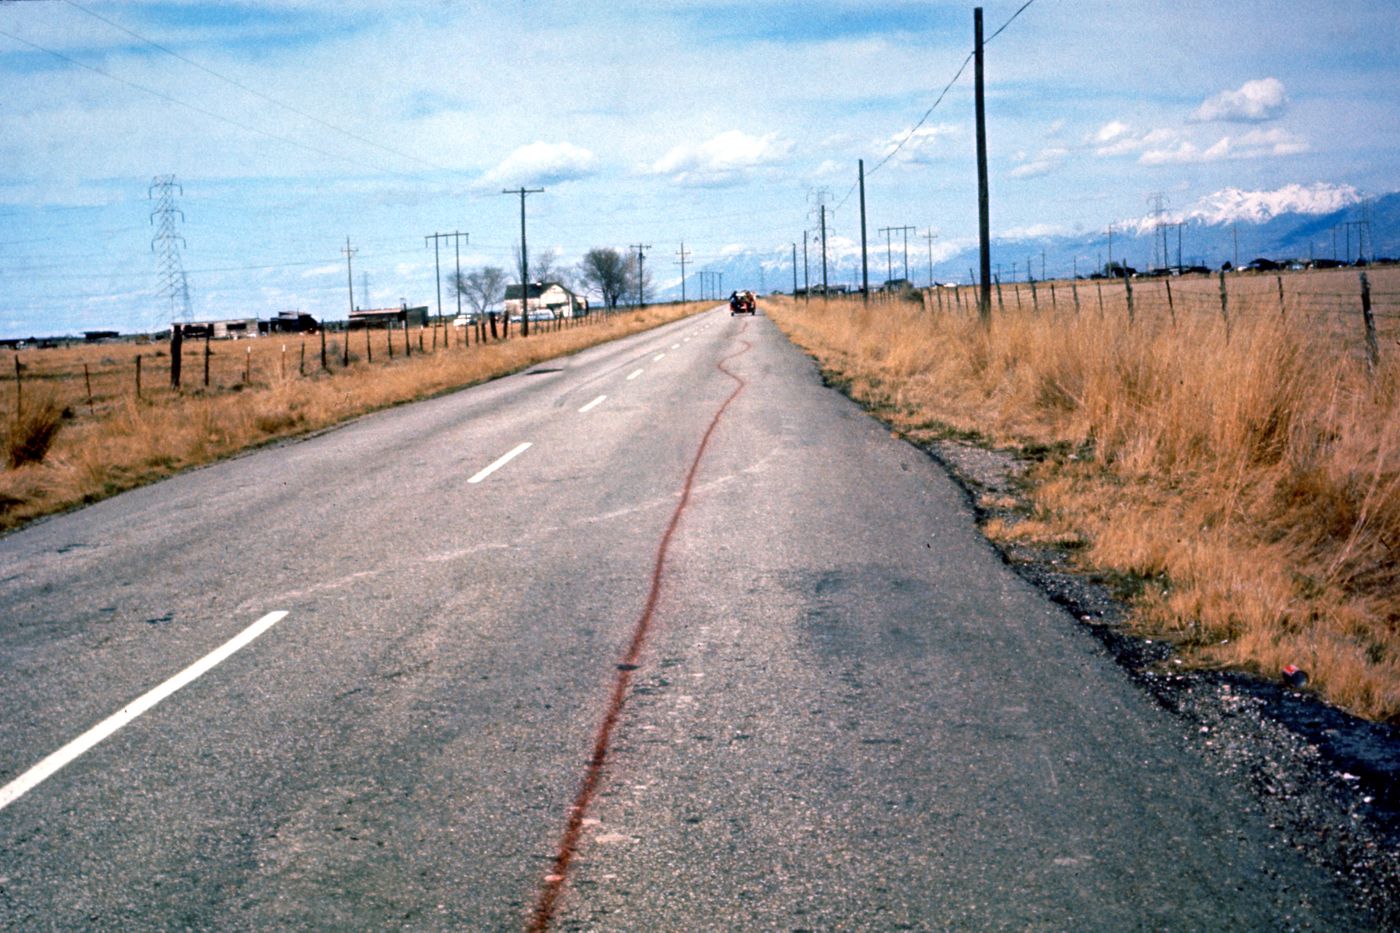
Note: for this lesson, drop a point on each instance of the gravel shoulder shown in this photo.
(1328, 781)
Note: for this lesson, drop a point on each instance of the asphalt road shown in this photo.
(835, 707)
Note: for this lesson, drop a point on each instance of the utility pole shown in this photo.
(864, 255)
(1158, 199)
(824, 287)
(1110, 249)
(641, 269)
(794, 270)
(437, 270)
(350, 284)
(684, 255)
(1178, 225)
(905, 231)
(456, 237)
(806, 277)
(931, 236)
(984, 224)
(524, 263)
(889, 254)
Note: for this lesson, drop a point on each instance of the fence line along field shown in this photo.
(85, 422)
(1240, 482)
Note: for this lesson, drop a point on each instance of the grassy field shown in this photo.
(1241, 483)
(77, 431)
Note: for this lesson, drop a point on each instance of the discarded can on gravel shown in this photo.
(1295, 676)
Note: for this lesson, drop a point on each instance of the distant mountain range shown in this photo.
(1296, 222)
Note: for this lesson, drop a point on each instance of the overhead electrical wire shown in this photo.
(944, 93)
(256, 93)
(200, 110)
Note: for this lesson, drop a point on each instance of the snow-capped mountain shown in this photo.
(1294, 222)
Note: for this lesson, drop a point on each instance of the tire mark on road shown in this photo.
(568, 843)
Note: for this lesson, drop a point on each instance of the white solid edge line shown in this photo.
(675, 346)
(657, 358)
(633, 375)
(592, 405)
(500, 463)
(83, 743)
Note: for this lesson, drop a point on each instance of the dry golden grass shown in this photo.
(1248, 481)
(110, 440)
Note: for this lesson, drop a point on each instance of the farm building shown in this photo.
(383, 317)
(230, 329)
(289, 322)
(547, 297)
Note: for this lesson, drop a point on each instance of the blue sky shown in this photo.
(292, 124)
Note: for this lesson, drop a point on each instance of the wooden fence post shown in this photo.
(138, 376)
(208, 351)
(1373, 352)
(87, 381)
(1128, 285)
(248, 366)
(1054, 303)
(177, 338)
(1074, 290)
(1171, 305)
(1000, 307)
(1281, 310)
(284, 362)
(369, 349)
(1035, 298)
(1099, 287)
(301, 365)
(19, 389)
(1225, 304)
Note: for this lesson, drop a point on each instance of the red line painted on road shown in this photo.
(592, 776)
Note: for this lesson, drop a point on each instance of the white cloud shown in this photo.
(1034, 232)
(1254, 102)
(921, 147)
(542, 163)
(1046, 161)
(1256, 144)
(723, 160)
(1111, 131)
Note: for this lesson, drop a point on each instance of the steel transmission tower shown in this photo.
(166, 244)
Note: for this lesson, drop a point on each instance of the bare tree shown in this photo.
(545, 267)
(606, 272)
(482, 288)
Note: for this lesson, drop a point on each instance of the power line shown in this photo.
(942, 94)
(197, 109)
(258, 94)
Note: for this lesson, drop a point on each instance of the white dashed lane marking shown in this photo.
(83, 743)
(520, 449)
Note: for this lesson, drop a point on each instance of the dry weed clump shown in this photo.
(1246, 477)
(115, 441)
(32, 431)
